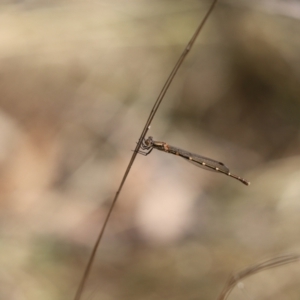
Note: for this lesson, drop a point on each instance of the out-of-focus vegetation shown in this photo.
(77, 81)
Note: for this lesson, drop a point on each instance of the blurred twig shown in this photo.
(267, 264)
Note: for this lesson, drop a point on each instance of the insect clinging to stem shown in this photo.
(200, 161)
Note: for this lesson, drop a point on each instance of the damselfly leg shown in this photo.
(146, 146)
(145, 153)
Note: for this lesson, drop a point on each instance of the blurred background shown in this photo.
(78, 80)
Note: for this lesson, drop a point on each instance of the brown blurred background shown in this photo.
(77, 82)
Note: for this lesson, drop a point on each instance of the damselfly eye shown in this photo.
(149, 141)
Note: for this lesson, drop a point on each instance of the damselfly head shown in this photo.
(149, 141)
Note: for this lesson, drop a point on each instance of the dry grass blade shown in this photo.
(142, 136)
(267, 264)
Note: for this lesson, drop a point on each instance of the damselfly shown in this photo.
(200, 161)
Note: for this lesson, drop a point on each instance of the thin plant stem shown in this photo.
(135, 152)
(267, 264)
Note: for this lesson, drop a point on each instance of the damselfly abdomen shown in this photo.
(200, 161)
